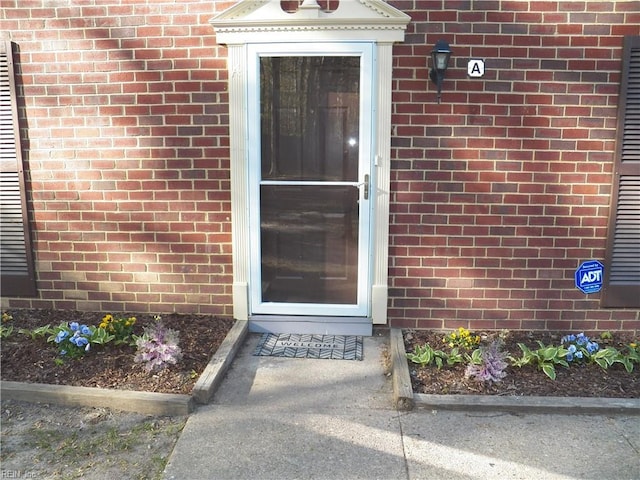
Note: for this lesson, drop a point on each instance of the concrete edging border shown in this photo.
(149, 403)
(405, 399)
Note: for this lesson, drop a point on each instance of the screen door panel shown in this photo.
(310, 163)
(309, 237)
(309, 118)
(309, 212)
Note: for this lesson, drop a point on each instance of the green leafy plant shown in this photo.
(426, 355)
(606, 357)
(101, 337)
(37, 332)
(546, 357)
(631, 357)
(6, 331)
(610, 355)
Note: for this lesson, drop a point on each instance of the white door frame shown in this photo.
(365, 51)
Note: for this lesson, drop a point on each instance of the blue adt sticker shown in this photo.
(589, 276)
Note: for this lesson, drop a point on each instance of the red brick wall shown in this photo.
(500, 192)
(126, 140)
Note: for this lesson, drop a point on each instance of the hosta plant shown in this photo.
(546, 357)
(6, 330)
(426, 355)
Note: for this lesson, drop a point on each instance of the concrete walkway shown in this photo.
(275, 418)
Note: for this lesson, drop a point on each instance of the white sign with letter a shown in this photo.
(475, 67)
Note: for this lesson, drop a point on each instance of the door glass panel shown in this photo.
(309, 237)
(309, 210)
(309, 118)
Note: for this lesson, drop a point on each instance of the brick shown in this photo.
(520, 160)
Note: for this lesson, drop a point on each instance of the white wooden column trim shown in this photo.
(379, 288)
(239, 166)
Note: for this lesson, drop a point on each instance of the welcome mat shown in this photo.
(334, 347)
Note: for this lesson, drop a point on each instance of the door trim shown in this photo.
(241, 247)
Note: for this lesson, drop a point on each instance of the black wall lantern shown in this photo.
(440, 61)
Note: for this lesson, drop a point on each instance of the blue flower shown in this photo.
(572, 350)
(568, 338)
(579, 354)
(84, 330)
(592, 347)
(74, 326)
(63, 352)
(62, 334)
(582, 339)
(79, 341)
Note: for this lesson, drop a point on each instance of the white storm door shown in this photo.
(310, 176)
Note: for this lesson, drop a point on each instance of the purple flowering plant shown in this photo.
(157, 347)
(488, 363)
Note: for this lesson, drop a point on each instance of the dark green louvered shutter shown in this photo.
(622, 268)
(16, 259)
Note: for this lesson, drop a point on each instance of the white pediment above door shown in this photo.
(265, 21)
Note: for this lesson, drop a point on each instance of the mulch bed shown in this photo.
(25, 360)
(580, 380)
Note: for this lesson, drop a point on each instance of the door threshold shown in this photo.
(315, 325)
